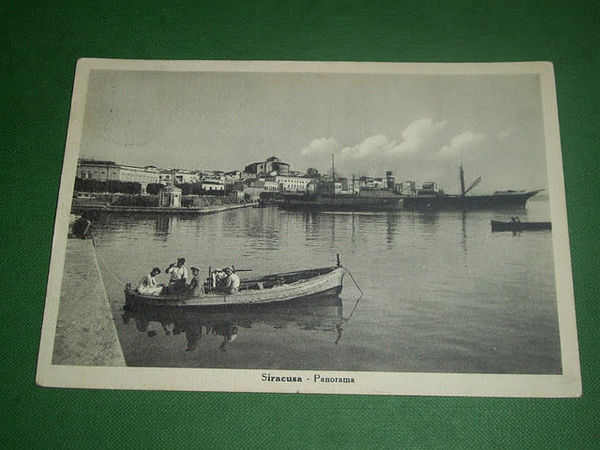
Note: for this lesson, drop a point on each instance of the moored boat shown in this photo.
(517, 225)
(270, 289)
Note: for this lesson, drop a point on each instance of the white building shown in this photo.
(169, 197)
(185, 176)
(232, 177)
(212, 185)
(287, 183)
(89, 169)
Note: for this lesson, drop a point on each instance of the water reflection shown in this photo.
(163, 222)
(262, 229)
(463, 239)
(392, 224)
(429, 218)
(323, 314)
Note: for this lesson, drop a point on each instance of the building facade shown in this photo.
(213, 185)
(89, 169)
(271, 165)
(169, 197)
(110, 171)
(288, 183)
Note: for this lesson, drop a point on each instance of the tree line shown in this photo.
(186, 189)
(130, 187)
(113, 186)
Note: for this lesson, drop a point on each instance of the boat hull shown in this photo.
(322, 287)
(469, 202)
(520, 226)
(350, 203)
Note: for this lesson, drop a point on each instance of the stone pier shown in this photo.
(85, 330)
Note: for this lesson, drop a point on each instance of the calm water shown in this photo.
(442, 293)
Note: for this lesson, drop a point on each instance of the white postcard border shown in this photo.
(378, 383)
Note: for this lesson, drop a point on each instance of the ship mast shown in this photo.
(462, 180)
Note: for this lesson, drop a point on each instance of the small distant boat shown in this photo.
(270, 289)
(517, 225)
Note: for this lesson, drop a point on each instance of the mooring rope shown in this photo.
(106, 265)
(358, 299)
(338, 326)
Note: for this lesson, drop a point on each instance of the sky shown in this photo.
(418, 126)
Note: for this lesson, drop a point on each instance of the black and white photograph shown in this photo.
(312, 227)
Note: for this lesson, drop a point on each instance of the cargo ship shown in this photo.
(433, 200)
(497, 200)
(389, 199)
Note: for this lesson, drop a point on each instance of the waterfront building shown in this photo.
(90, 169)
(169, 197)
(181, 176)
(287, 183)
(166, 178)
(256, 187)
(178, 176)
(212, 185)
(270, 166)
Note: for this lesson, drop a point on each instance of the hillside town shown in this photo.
(255, 181)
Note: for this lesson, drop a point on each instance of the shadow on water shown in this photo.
(317, 314)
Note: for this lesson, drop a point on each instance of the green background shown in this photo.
(40, 45)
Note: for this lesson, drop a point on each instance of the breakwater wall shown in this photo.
(85, 330)
(156, 209)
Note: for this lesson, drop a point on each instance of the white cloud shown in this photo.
(374, 146)
(417, 134)
(416, 137)
(463, 141)
(424, 146)
(321, 146)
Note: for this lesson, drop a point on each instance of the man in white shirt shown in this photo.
(232, 283)
(179, 276)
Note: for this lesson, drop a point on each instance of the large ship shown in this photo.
(434, 200)
(389, 199)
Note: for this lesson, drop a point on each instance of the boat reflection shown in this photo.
(324, 314)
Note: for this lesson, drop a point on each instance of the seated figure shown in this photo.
(148, 285)
(196, 284)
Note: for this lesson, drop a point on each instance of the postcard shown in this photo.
(312, 227)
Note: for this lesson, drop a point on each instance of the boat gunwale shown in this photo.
(205, 299)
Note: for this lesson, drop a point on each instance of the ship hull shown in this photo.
(469, 202)
(351, 203)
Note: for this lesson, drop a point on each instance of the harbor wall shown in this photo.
(85, 330)
(160, 210)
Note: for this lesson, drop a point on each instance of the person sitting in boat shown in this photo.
(148, 284)
(232, 282)
(179, 276)
(195, 285)
(515, 219)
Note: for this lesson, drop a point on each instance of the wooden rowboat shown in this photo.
(270, 289)
(520, 226)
